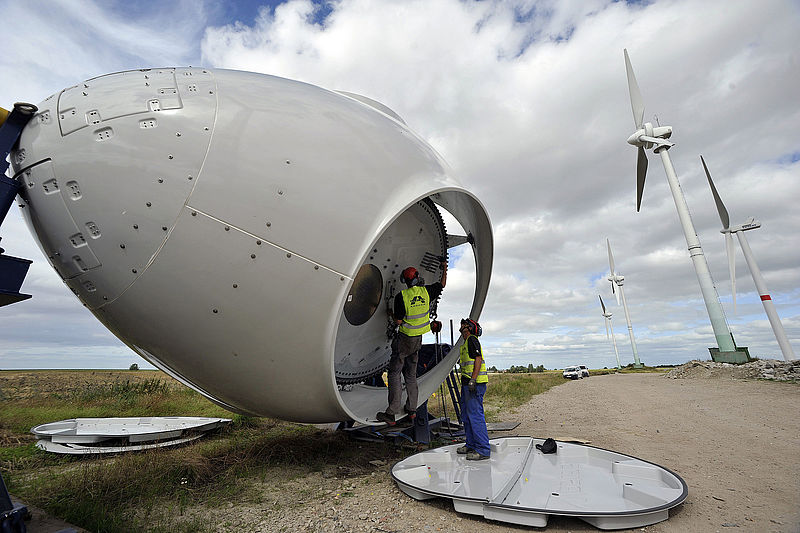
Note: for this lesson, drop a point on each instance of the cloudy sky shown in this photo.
(528, 102)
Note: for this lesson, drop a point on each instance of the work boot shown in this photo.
(463, 450)
(412, 413)
(386, 417)
(475, 456)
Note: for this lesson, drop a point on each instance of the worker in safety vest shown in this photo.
(473, 386)
(412, 307)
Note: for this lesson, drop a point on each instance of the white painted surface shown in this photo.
(214, 221)
(521, 485)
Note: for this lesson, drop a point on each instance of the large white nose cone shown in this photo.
(243, 232)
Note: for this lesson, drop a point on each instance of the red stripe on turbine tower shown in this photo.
(765, 297)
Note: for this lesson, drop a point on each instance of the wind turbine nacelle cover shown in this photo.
(662, 132)
(242, 232)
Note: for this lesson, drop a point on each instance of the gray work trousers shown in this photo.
(405, 354)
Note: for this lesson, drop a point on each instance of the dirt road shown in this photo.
(736, 443)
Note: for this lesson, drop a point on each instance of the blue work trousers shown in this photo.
(474, 420)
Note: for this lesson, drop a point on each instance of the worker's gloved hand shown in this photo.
(473, 386)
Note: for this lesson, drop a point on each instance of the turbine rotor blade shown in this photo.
(637, 105)
(602, 304)
(723, 213)
(610, 258)
(731, 265)
(606, 327)
(641, 174)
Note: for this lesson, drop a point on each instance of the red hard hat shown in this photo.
(473, 327)
(410, 273)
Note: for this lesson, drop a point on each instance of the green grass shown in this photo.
(117, 399)
(155, 490)
(103, 494)
(509, 391)
(505, 392)
(151, 490)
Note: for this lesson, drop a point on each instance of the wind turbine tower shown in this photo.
(618, 280)
(607, 315)
(761, 287)
(646, 137)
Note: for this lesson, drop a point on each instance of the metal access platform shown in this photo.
(521, 484)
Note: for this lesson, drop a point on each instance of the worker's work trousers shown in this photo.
(474, 420)
(405, 354)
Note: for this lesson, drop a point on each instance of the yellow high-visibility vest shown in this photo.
(418, 307)
(468, 364)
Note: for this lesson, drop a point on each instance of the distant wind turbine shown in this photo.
(607, 316)
(647, 136)
(618, 280)
(769, 307)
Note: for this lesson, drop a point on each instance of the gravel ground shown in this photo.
(736, 443)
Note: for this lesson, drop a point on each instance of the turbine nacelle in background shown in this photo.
(650, 136)
(616, 287)
(609, 326)
(615, 279)
(761, 287)
(607, 314)
(647, 136)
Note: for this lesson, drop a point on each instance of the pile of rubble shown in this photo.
(761, 369)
